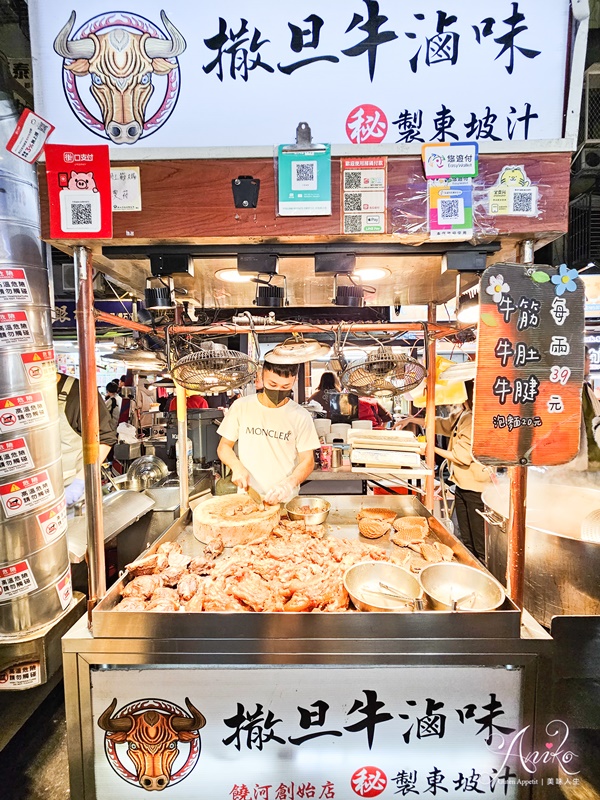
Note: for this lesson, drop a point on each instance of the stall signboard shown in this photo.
(312, 732)
(79, 191)
(530, 363)
(243, 74)
(64, 312)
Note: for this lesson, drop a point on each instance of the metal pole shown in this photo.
(90, 425)
(430, 411)
(182, 458)
(515, 565)
(439, 330)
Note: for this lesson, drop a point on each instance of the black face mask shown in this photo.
(276, 396)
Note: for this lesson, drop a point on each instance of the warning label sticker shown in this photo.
(39, 366)
(14, 456)
(16, 579)
(22, 411)
(19, 497)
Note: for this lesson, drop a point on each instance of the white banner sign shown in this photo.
(278, 733)
(237, 73)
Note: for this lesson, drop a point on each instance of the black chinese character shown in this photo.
(508, 40)
(434, 782)
(409, 126)
(505, 777)
(431, 724)
(313, 719)
(370, 708)
(374, 37)
(241, 61)
(526, 354)
(502, 389)
(482, 127)
(526, 390)
(494, 709)
(258, 728)
(442, 123)
(504, 350)
(529, 313)
(440, 48)
(468, 784)
(525, 119)
(298, 43)
(406, 783)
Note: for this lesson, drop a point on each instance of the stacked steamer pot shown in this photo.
(35, 584)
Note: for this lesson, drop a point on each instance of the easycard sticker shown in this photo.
(14, 457)
(53, 521)
(14, 285)
(16, 579)
(39, 366)
(65, 590)
(14, 328)
(19, 497)
(22, 411)
(29, 137)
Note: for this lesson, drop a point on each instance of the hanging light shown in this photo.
(467, 310)
(351, 295)
(159, 298)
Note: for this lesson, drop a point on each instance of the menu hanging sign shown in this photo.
(529, 366)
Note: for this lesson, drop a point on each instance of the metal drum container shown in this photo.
(561, 569)
(35, 588)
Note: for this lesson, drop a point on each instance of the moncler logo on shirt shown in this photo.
(272, 434)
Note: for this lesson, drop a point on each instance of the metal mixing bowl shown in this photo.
(470, 588)
(148, 469)
(362, 582)
(321, 509)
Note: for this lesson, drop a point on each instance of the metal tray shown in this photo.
(502, 623)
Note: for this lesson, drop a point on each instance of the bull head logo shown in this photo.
(120, 53)
(152, 730)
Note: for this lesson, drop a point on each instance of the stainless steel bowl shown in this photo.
(362, 582)
(148, 469)
(317, 515)
(457, 587)
(124, 482)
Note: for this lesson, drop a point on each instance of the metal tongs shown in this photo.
(457, 604)
(391, 591)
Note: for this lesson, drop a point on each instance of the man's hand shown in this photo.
(282, 492)
(240, 476)
(74, 491)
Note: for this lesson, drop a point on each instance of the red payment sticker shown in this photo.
(29, 136)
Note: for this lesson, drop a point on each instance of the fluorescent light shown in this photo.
(232, 276)
(372, 273)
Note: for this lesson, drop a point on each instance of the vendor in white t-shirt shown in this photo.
(275, 437)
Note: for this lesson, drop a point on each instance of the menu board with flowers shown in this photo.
(530, 364)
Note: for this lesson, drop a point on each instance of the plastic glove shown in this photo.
(282, 492)
(74, 491)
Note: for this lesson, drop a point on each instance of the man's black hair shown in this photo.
(283, 370)
(112, 387)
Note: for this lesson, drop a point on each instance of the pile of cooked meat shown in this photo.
(294, 568)
(414, 535)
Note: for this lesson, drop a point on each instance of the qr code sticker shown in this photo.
(304, 175)
(353, 223)
(81, 214)
(353, 201)
(352, 180)
(523, 202)
(451, 211)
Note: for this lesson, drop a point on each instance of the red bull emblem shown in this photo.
(153, 732)
(120, 57)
